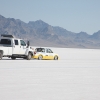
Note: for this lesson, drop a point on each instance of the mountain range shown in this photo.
(40, 33)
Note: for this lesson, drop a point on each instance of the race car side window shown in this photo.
(43, 50)
(40, 49)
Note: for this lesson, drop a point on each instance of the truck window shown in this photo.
(22, 43)
(16, 42)
(5, 41)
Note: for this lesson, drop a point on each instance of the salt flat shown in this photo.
(75, 76)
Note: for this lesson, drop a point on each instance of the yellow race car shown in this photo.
(45, 53)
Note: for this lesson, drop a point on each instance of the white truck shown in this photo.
(15, 48)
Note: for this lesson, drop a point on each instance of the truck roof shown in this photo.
(5, 35)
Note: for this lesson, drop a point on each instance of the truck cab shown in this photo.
(15, 48)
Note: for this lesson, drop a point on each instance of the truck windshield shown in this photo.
(5, 41)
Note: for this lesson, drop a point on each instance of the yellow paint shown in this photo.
(49, 57)
(35, 57)
(44, 57)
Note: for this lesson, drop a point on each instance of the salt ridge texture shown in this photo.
(75, 76)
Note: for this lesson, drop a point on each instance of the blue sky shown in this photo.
(73, 15)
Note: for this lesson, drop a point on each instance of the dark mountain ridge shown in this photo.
(42, 34)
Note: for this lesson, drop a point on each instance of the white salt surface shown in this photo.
(75, 76)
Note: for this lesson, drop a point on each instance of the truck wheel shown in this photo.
(29, 56)
(1, 54)
(13, 58)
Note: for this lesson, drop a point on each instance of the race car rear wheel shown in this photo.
(40, 57)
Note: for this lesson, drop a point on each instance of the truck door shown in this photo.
(22, 47)
(16, 47)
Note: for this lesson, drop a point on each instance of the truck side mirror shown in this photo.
(28, 43)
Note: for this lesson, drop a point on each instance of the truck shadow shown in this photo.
(17, 59)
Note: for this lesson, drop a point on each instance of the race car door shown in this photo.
(49, 54)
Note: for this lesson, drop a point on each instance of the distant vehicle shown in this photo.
(45, 53)
(14, 48)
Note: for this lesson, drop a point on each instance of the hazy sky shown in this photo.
(73, 15)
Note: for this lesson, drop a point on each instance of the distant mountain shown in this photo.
(42, 34)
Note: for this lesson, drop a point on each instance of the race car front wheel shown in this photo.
(56, 58)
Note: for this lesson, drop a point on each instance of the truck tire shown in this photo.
(1, 54)
(29, 56)
(13, 58)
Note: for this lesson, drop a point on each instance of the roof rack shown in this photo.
(5, 35)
